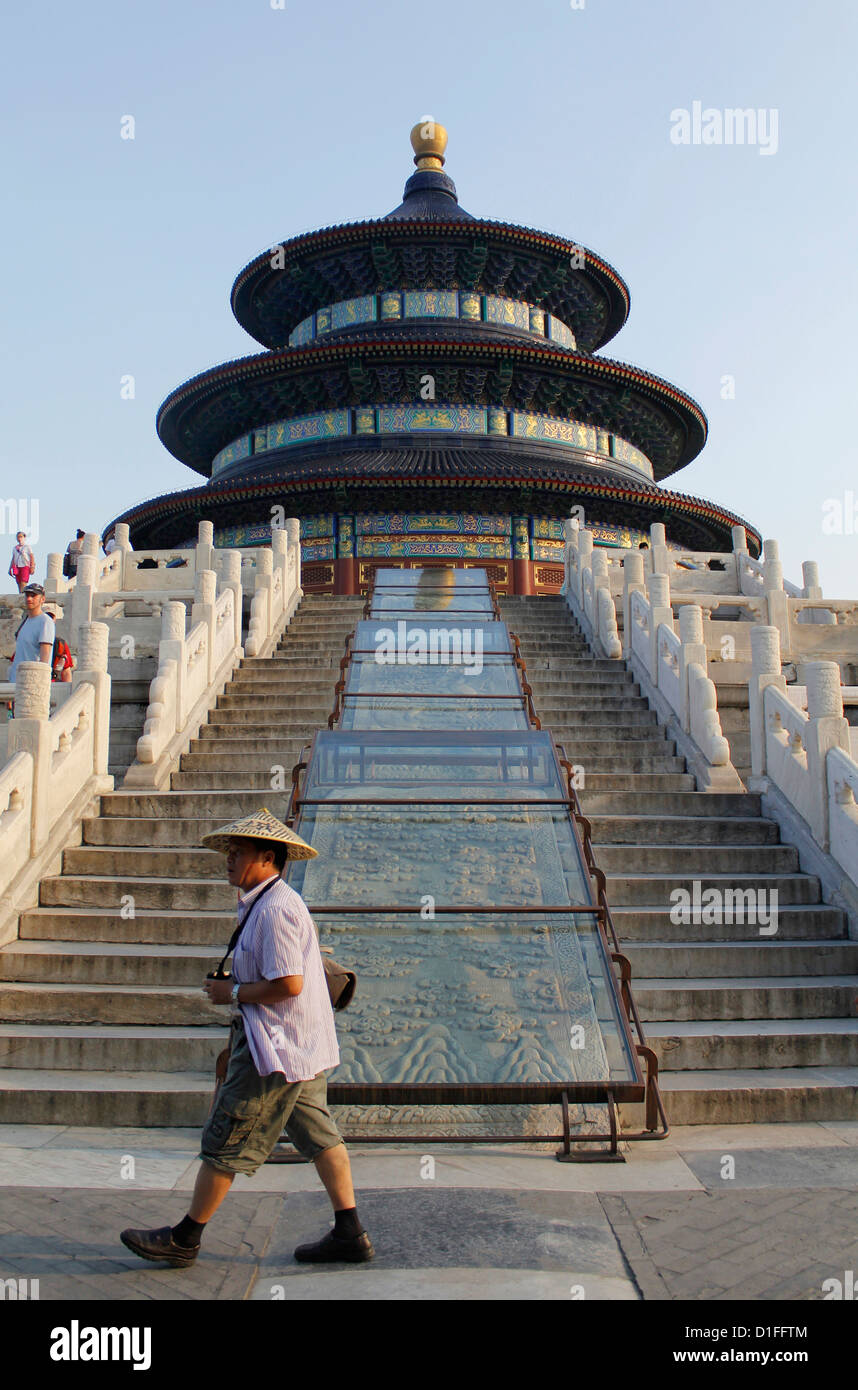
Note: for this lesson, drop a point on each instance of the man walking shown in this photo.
(282, 1042)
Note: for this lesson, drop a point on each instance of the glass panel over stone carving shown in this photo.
(433, 766)
(447, 600)
(423, 712)
(469, 999)
(439, 634)
(432, 577)
(435, 793)
(473, 676)
(503, 855)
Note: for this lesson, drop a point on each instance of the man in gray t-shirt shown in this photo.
(35, 639)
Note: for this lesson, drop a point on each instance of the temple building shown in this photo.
(430, 391)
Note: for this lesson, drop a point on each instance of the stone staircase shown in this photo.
(105, 1020)
(105, 1023)
(747, 1027)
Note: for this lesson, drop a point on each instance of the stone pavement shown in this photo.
(765, 1212)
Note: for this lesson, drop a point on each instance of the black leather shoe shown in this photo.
(159, 1247)
(331, 1248)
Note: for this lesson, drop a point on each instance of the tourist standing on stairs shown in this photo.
(23, 565)
(282, 1042)
(34, 640)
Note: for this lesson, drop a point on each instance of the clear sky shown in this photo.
(255, 122)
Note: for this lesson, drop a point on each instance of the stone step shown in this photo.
(296, 715)
(758, 1096)
(573, 664)
(109, 1048)
(677, 804)
(778, 996)
(145, 863)
(155, 928)
(560, 690)
(796, 922)
(108, 963)
(146, 830)
(182, 1099)
(682, 830)
(213, 808)
(78, 890)
(732, 1043)
(145, 1099)
(626, 757)
(231, 743)
(649, 745)
(697, 859)
(668, 783)
(286, 675)
(265, 685)
(248, 754)
(283, 661)
(224, 730)
(555, 710)
(601, 724)
(654, 890)
(745, 961)
(278, 701)
(221, 781)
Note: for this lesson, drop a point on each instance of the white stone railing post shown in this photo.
(658, 594)
(585, 553)
(658, 549)
(293, 537)
(203, 611)
(29, 733)
(692, 649)
(740, 540)
(281, 566)
(776, 599)
(826, 729)
(92, 657)
(260, 607)
(205, 546)
(55, 580)
(810, 585)
(91, 544)
(766, 671)
(229, 567)
(82, 595)
(633, 582)
(604, 618)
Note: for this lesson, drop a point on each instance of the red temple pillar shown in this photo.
(521, 570)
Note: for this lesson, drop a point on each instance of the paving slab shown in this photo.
(758, 1167)
(448, 1243)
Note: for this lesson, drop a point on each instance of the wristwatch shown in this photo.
(234, 994)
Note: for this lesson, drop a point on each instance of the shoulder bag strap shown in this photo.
(233, 940)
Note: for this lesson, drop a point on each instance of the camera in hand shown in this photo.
(219, 974)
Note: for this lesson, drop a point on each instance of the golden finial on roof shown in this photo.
(428, 141)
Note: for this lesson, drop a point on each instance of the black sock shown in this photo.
(347, 1224)
(188, 1232)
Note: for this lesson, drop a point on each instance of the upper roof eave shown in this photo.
(290, 251)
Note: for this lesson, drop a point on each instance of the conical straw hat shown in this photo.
(260, 826)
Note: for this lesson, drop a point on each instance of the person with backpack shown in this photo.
(72, 555)
(23, 564)
(62, 661)
(34, 639)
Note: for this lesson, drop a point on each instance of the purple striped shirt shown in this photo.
(296, 1036)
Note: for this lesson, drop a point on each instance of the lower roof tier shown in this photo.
(486, 370)
(406, 474)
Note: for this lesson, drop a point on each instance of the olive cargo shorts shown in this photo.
(251, 1112)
